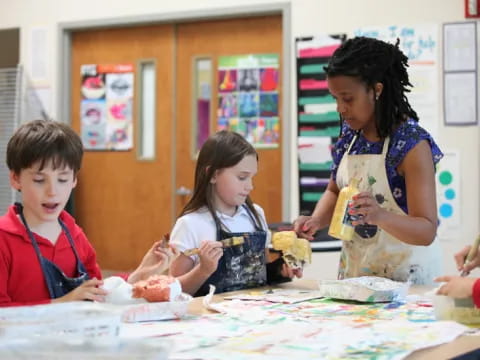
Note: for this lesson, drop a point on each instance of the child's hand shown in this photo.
(209, 253)
(155, 262)
(460, 259)
(306, 226)
(287, 271)
(456, 286)
(89, 290)
(365, 206)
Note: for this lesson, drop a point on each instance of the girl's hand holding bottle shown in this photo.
(365, 209)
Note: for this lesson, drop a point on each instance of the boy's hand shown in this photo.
(456, 286)
(306, 226)
(155, 262)
(460, 260)
(209, 253)
(287, 271)
(89, 290)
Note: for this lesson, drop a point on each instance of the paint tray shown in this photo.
(154, 311)
(459, 310)
(369, 289)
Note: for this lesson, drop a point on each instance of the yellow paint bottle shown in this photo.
(341, 224)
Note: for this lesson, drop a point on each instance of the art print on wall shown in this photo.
(248, 97)
(106, 107)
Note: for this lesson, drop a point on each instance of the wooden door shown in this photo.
(122, 203)
(125, 204)
(212, 39)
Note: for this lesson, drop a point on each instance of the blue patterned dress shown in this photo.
(407, 135)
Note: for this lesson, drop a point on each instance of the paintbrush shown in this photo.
(471, 255)
(229, 242)
(165, 241)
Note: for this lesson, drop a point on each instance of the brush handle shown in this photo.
(229, 242)
(191, 252)
(472, 253)
(473, 250)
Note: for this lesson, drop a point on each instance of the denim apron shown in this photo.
(373, 251)
(241, 266)
(57, 282)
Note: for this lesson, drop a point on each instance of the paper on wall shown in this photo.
(314, 149)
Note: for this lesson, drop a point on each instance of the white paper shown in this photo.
(320, 108)
(38, 54)
(459, 46)
(314, 149)
(460, 98)
(284, 296)
(318, 41)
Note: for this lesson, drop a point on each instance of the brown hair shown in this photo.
(221, 150)
(43, 141)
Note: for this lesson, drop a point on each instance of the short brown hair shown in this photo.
(43, 141)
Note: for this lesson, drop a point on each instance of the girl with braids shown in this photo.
(221, 208)
(382, 145)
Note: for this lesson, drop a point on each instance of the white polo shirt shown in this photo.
(191, 229)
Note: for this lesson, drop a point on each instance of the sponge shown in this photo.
(296, 251)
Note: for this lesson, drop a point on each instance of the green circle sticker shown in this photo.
(445, 177)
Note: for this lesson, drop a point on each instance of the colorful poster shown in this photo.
(106, 108)
(248, 97)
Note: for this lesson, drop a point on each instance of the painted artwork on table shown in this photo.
(106, 114)
(248, 97)
(317, 329)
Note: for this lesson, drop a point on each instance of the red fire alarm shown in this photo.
(471, 9)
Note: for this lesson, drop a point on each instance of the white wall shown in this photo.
(308, 17)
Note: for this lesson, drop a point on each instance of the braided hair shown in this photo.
(375, 61)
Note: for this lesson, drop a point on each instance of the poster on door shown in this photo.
(106, 107)
(248, 97)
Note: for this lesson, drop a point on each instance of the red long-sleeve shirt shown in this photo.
(21, 278)
(476, 293)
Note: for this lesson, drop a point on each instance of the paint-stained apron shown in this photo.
(57, 282)
(373, 251)
(241, 266)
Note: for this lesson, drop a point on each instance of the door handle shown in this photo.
(183, 191)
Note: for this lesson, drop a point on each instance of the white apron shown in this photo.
(373, 251)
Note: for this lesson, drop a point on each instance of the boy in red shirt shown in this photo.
(44, 255)
(462, 287)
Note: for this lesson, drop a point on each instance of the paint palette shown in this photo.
(369, 289)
